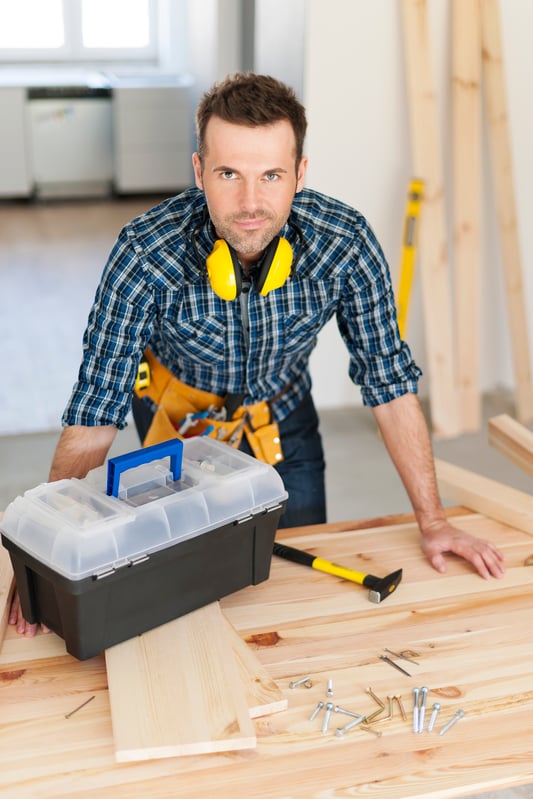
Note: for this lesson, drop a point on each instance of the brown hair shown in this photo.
(249, 99)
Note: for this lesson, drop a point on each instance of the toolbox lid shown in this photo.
(77, 529)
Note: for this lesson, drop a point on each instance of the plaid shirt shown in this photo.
(154, 291)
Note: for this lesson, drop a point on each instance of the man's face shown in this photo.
(249, 178)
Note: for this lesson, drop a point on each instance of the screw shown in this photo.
(422, 709)
(339, 709)
(433, 717)
(351, 724)
(416, 691)
(316, 711)
(329, 692)
(452, 721)
(400, 705)
(303, 681)
(325, 725)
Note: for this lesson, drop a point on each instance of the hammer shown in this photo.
(379, 587)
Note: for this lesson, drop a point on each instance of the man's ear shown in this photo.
(197, 166)
(300, 175)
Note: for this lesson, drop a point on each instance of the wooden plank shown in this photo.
(263, 695)
(513, 440)
(466, 154)
(502, 167)
(7, 584)
(433, 259)
(493, 499)
(175, 690)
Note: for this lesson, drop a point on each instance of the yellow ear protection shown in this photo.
(225, 272)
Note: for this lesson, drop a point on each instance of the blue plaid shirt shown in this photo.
(154, 292)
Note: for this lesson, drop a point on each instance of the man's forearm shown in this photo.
(406, 436)
(81, 449)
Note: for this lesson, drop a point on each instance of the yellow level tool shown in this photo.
(407, 267)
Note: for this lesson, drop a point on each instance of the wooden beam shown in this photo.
(466, 135)
(500, 149)
(493, 499)
(513, 440)
(433, 259)
(175, 690)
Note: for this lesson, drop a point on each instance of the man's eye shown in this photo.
(228, 175)
(271, 176)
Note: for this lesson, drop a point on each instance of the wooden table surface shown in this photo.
(473, 644)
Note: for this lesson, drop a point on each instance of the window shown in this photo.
(78, 30)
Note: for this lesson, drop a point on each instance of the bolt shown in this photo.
(422, 709)
(303, 681)
(316, 711)
(339, 709)
(325, 725)
(351, 724)
(452, 721)
(416, 691)
(433, 717)
(330, 688)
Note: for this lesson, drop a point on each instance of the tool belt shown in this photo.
(184, 411)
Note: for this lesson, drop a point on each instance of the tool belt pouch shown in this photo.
(175, 400)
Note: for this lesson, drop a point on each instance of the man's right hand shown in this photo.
(17, 619)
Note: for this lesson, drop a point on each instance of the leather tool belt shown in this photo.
(184, 411)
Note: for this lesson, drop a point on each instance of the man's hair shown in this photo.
(252, 100)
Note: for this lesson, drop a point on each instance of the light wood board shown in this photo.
(493, 499)
(502, 168)
(263, 695)
(6, 588)
(433, 257)
(513, 440)
(176, 690)
(466, 153)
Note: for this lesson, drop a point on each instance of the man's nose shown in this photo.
(250, 196)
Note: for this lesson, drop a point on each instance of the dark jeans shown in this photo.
(303, 467)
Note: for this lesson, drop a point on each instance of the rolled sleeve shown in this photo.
(381, 364)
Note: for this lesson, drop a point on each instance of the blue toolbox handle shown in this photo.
(121, 463)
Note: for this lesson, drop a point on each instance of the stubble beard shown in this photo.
(253, 241)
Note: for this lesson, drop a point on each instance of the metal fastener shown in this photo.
(416, 691)
(422, 708)
(316, 711)
(452, 721)
(351, 724)
(339, 709)
(329, 691)
(327, 716)
(400, 705)
(303, 681)
(433, 717)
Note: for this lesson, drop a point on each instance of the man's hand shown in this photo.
(16, 618)
(441, 537)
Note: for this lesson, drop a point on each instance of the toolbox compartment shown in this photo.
(106, 558)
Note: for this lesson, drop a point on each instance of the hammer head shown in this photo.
(381, 587)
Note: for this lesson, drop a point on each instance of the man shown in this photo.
(157, 292)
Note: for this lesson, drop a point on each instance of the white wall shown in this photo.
(359, 150)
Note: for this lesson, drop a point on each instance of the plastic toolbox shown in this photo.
(105, 558)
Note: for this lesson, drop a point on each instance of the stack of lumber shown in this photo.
(452, 329)
(191, 686)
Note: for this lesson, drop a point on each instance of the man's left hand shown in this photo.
(441, 537)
